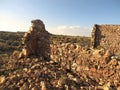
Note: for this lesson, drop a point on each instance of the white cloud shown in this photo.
(70, 30)
(12, 23)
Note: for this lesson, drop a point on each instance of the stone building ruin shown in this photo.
(95, 68)
(71, 55)
(107, 37)
(36, 40)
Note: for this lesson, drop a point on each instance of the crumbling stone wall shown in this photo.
(36, 40)
(106, 36)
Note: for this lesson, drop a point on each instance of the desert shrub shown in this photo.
(10, 41)
(99, 47)
(3, 47)
(82, 40)
(1, 40)
(13, 43)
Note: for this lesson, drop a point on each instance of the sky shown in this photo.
(67, 17)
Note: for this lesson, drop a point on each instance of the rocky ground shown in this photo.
(95, 73)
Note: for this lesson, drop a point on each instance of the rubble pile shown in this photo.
(94, 70)
(95, 64)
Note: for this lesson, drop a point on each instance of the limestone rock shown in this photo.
(43, 86)
(15, 54)
(2, 79)
(35, 88)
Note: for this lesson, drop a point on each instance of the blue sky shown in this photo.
(69, 17)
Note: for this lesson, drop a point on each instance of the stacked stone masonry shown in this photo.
(36, 40)
(107, 36)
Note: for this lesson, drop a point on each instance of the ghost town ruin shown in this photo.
(71, 67)
(71, 56)
(37, 42)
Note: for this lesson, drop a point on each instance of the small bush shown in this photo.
(99, 47)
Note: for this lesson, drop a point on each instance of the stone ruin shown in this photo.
(107, 37)
(37, 43)
(36, 40)
(93, 67)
